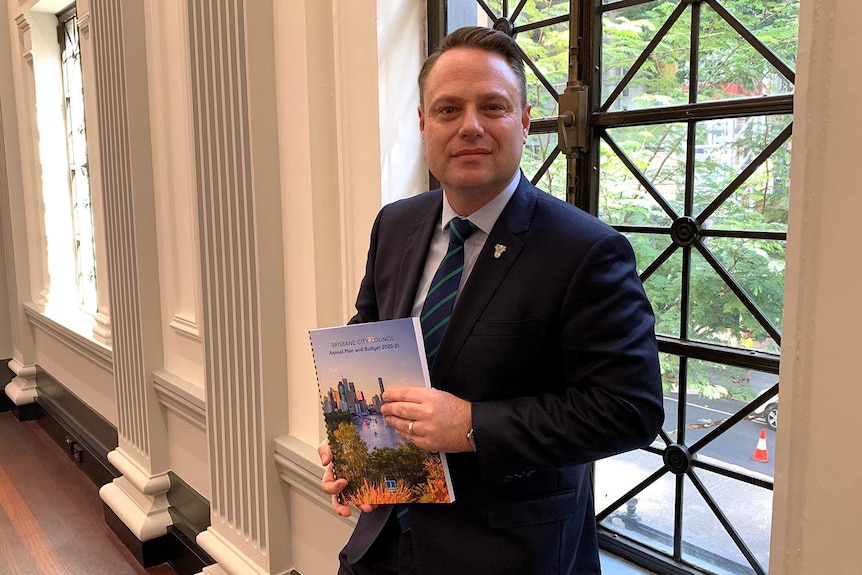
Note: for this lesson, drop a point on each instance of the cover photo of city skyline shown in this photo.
(355, 364)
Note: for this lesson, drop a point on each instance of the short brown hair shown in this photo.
(481, 38)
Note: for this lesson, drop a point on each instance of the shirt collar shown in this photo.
(486, 216)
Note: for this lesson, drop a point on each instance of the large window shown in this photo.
(60, 202)
(76, 146)
(671, 120)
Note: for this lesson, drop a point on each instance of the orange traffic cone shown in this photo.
(760, 453)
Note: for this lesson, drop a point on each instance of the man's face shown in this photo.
(472, 124)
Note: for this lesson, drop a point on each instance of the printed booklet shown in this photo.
(355, 364)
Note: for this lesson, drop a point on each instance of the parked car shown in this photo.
(768, 412)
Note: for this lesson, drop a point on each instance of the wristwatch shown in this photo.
(470, 439)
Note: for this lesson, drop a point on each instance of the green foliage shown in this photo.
(708, 380)
(349, 451)
(728, 67)
(335, 418)
(406, 461)
(417, 479)
(742, 391)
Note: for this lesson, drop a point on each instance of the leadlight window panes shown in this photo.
(690, 116)
(79, 182)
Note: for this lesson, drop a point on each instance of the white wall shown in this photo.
(6, 98)
(818, 472)
(348, 134)
(174, 167)
(5, 310)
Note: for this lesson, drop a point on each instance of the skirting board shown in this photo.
(6, 375)
(74, 426)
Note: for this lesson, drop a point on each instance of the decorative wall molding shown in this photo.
(174, 166)
(75, 335)
(80, 420)
(22, 389)
(31, 161)
(242, 277)
(7, 249)
(84, 22)
(139, 497)
(186, 327)
(139, 477)
(181, 397)
(213, 570)
(114, 134)
(229, 268)
(191, 515)
(231, 561)
(299, 466)
(24, 38)
(146, 517)
(12, 214)
(102, 327)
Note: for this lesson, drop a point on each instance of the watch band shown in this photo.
(471, 440)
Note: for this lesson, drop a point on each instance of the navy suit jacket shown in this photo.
(553, 343)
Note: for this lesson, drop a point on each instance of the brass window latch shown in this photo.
(573, 121)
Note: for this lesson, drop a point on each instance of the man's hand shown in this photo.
(440, 420)
(335, 486)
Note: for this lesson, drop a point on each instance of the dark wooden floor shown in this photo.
(51, 520)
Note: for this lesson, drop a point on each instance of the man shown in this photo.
(548, 361)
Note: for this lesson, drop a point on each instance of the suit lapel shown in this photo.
(486, 276)
(413, 257)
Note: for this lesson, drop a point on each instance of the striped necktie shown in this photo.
(438, 306)
(440, 300)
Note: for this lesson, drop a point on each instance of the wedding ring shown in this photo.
(410, 427)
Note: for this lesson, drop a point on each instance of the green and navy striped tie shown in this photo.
(440, 300)
(438, 306)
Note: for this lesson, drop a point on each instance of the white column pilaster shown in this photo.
(138, 497)
(22, 389)
(37, 241)
(238, 191)
(817, 474)
(14, 180)
(102, 329)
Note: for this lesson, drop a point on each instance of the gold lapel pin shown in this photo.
(498, 250)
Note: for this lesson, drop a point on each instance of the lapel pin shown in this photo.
(498, 250)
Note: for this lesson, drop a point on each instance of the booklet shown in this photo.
(355, 364)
